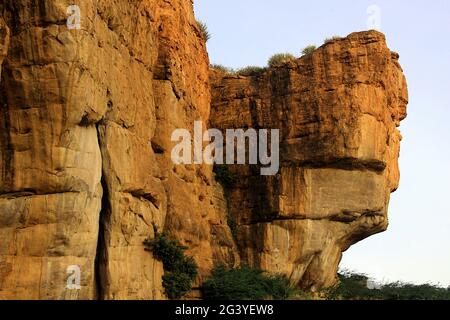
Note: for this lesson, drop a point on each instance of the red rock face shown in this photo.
(337, 110)
(86, 118)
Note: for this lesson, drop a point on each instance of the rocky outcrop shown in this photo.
(86, 117)
(338, 110)
(85, 140)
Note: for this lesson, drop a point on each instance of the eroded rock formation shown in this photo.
(86, 117)
(337, 110)
(86, 122)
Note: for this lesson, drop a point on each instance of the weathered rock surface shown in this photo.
(80, 182)
(86, 118)
(338, 110)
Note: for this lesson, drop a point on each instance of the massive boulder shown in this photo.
(337, 110)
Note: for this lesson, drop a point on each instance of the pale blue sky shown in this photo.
(416, 247)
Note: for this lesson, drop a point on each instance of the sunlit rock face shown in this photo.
(338, 110)
(86, 175)
(85, 127)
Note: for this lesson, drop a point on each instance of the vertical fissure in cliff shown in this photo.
(6, 146)
(5, 137)
(100, 257)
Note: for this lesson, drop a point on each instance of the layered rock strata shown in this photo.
(86, 118)
(337, 110)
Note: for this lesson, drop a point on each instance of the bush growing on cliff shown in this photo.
(222, 68)
(204, 30)
(333, 38)
(251, 71)
(179, 270)
(280, 59)
(245, 284)
(231, 222)
(308, 50)
(225, 177)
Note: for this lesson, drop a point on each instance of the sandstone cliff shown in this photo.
(86, 118)
(338, 110)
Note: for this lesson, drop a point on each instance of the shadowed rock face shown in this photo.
(86, 118)
(337, 110)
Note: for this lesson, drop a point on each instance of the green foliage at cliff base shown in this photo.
(353, 286)
(246, 284)
(179, 269)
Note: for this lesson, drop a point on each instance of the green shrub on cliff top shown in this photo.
(309, 49)
(331, 39)
(251, 71)
(222, 68)
(280, 59)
